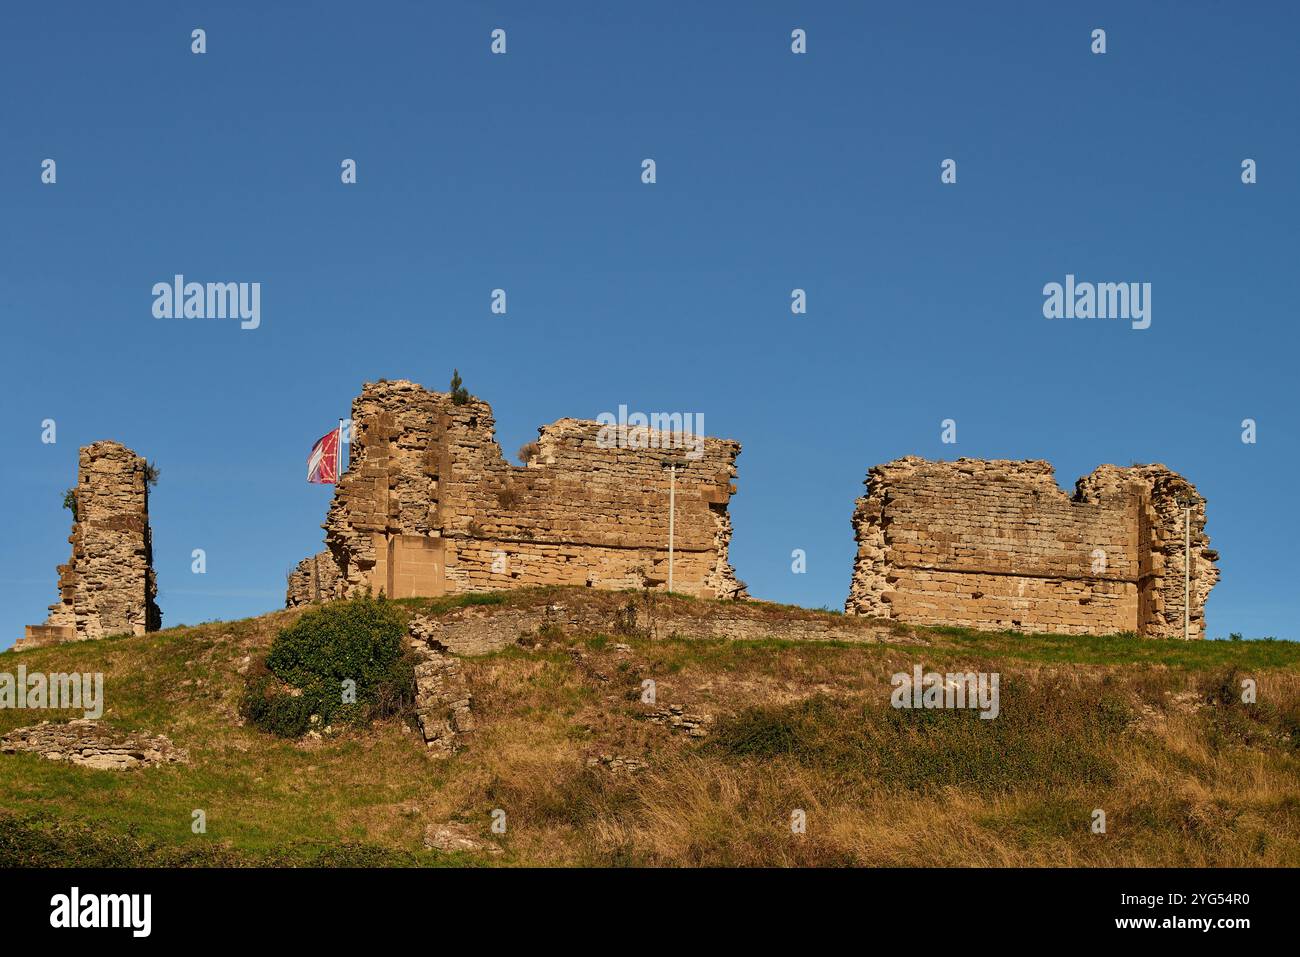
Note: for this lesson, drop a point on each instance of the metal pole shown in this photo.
(672, 520)
(1187, 572)
(338, 455)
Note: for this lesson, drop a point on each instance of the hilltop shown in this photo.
(742, 734)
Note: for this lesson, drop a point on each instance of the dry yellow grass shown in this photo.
(1186, 774)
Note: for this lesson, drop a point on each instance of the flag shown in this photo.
(323, 463)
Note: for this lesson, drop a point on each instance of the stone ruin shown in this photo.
(108, 585)
(93, 744)
(996, 544)
(429, 506)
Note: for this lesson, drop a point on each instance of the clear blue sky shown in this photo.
(522, 172)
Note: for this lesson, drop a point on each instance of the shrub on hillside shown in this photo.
(311, 663)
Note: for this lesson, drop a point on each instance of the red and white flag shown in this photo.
(323, 463)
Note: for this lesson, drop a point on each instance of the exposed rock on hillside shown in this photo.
(88, 743)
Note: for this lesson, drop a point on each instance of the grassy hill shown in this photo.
(1152, 733)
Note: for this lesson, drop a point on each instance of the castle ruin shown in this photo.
(108, 585)
(429, 506)
(996, 544)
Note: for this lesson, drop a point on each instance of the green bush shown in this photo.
(360, 640)
(267, 705)
(459, 394)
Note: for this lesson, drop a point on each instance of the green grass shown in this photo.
(1085, 723)
(1117, 650)
(439, 606)
(1051, 734)
(39, 841)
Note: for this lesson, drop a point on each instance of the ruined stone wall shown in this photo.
(996, 544)
(312, 580)
(1161, 547)
(430, 506)
(108, 585)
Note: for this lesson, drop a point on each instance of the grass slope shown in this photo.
(1152, 733)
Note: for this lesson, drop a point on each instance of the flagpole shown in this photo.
(338, 456)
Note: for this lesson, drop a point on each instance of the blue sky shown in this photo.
(522, 172)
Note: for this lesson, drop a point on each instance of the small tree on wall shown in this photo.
(459, 394)
(70, 502)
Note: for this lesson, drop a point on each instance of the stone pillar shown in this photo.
(108, 585)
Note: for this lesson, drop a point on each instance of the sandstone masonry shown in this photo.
(429, 506)
(996, 544)
(94, 745)
(313, 580)
(480, 630)
(108, 585)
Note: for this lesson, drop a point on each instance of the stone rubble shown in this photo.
(456, 836)
(677, 719)
(616, 763)
(87, 742)
(442, 699)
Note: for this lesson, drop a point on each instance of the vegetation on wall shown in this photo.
(459, 394)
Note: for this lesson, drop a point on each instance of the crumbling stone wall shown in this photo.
(996, 544)
(1162, 526)
(429, 505)
(91, 744)
(108, 585)
(443, 704)
(312, 580)
(483, 629)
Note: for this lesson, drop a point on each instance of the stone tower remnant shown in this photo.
(996, 544)
(108, 585)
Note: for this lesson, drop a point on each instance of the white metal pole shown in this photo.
(672, 519)
(338, 455)
(1187, 572)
